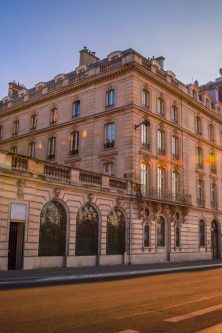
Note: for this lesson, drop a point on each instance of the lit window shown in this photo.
(76, 109)
(146, 236)
(199, 158)
(161, 142)
(16, 127)
(13, 150)
(74, 143)
(174, 114)
(175, 147)
(32, 149)
(201, 233)
(33, 122)
(53, 116)
(108, 169)
(160, 231)
(145, 135)
(145, 98)
(160, 106)
(110, 133)
(198, 126)
(51, 148)
(110, 98)
(144, 177)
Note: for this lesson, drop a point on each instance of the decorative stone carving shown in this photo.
(118, 202)
(20, 188)
(90, 197)
(57, 192)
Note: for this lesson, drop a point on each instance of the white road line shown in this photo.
(194, 314)
(212, 329)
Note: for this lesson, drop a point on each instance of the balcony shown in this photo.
(201, 203)
(109, 144)
(159, 194)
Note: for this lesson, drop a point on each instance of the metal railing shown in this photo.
(90, 177)
(117, 183)
(56, 171)
(19, 162)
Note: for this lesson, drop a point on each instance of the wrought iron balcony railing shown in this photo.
(156, 193)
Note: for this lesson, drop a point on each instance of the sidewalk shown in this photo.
(37, 277)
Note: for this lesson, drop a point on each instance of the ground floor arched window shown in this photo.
(52, 234)
(160, 231)
(87, 231)
(116, 232)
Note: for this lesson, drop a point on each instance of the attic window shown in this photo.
(114, 57)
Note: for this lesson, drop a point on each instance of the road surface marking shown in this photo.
(190, 302)
(194, 314)
(129, 331)
(212, 329)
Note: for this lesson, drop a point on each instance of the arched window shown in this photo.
(87, 229)
(201, 233)
(76, 109)
(146, 236)
(74, 143)
(53, 116)
(160, 231)
(199, 158)
(145, 98)
(52, 235)
(110, 98)
(160, 106)
(116, 232)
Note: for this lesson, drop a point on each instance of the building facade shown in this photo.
(115, 162)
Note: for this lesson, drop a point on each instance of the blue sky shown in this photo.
(40, 39)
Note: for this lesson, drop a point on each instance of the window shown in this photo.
(110, 132)
(207, 103)
(201, 233)
(16, 127)
(214, 195)
(144, 177)
(115, 232)
(53, 116)
(146, 236)
(200, 193)
(145, 135)
(87, 231)
(145, 98)
(51, 148)
(160, 231)
(32, 149)
(33, 122)
(13, 150)
(211, 132)
(160, 106)
(160, 142)
(198, 126)
(174, 114)
(194, 94)
(110, 98)
(175, 184)
(177, 236)
(199, 158)
(52, 235)
(161, 182)
(108, 169)
(213, 161)
(74, 143)
(175, 147)
(1, 132)
(76, 109)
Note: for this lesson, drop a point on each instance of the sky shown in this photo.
(40, 39)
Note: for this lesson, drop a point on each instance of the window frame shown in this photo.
(74, 143)
(51, 148)
(111, 98)
(109, 135)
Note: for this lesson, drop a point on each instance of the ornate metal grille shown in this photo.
(87, 228)
(52, 235)
(116, 232)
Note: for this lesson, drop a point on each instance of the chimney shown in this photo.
(87, 57)
(160, 61)
(14, 88)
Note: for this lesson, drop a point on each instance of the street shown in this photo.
(177, 302)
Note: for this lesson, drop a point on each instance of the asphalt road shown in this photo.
(142, 304)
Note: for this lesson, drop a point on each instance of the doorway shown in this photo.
(215, 240)
(16, 245)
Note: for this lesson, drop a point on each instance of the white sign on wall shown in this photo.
(18, 211)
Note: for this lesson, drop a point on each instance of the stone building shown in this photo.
(115, 162)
